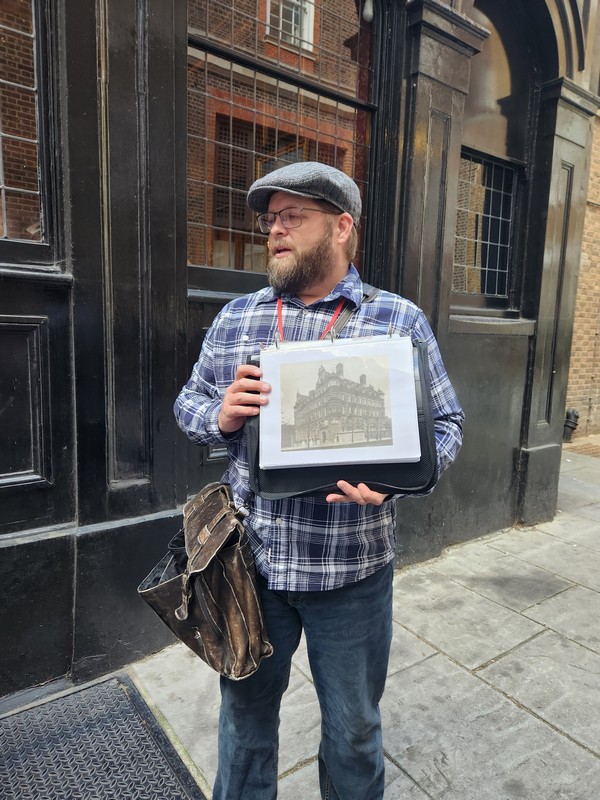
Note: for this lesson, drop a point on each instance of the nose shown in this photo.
(277, 228)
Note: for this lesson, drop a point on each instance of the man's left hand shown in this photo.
(360, 494)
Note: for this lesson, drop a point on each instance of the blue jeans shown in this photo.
(348, 634)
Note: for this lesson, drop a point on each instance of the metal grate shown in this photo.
(329, 42)
(243, 123)
(269, 83)
(98, 743)
(484, 217)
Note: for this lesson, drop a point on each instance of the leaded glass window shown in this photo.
(484, 227)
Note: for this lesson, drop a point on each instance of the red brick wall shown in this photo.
(583, 391)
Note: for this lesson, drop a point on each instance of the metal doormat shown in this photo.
(100, 742)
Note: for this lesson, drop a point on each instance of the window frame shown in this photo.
(306, 37)
(479, 302)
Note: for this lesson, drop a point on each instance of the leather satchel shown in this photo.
(396, 478)
(205, 589)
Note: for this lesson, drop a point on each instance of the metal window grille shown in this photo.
(484, 227)
(307, 103)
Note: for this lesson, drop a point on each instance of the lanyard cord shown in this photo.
(336, 314)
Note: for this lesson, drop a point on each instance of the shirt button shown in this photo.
(245, 338)
(305, 310)
(278, 521)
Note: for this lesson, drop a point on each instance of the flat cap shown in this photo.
(308, 179)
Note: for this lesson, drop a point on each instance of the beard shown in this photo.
(301, 270)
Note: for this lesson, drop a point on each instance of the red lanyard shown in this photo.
(336, 314)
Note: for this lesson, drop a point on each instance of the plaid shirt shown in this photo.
(307, 544)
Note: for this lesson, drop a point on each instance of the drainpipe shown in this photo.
(571, 422)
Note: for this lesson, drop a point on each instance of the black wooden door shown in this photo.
(92, 328)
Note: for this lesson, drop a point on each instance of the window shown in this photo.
(21, 217)
(242, 124)
(270, 82)
(333, 42)
(293, 22)
(484, 227)
(490, 269)
(28, 168)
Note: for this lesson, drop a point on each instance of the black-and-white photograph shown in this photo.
(336, 403)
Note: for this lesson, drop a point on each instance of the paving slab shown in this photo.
(558, 680)
(575, 458)
(587, 456)
(574, 562)
(303, 784)
(590, 512)
(460, 739)
(300, 659)
(578, 488)
(500, 577)
(462, 624)
(300, 729)
(398, 785)
(407, 649)
(186, 693)
(574, 528)
(574, 613)
(571, 461)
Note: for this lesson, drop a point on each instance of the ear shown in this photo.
(343, 227)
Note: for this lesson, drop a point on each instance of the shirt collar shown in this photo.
(350, 287)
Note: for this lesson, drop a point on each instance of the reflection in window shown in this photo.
(241, 125)
(20, 207)
(485, 211)
(325, 41)
(292, 21)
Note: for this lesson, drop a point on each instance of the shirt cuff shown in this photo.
(212, 425)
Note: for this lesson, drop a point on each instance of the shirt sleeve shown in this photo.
(198, 404)
(447, 413)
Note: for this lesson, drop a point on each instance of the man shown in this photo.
(324, 566)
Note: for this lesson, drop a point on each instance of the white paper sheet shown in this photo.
(351, 401)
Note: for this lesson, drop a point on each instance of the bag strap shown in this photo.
(369, 293)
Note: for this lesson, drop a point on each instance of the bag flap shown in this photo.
(209, 521)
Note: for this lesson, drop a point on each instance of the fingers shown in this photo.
(243, 398)
(360, 494)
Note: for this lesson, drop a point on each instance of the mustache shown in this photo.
(273, 247)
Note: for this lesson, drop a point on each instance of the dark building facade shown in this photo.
(129, 131)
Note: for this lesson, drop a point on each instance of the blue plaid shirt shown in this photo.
(307, 544)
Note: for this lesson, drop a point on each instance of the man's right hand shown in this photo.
(243, 398)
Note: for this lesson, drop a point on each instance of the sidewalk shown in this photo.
(494, 680)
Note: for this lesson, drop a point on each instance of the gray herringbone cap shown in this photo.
(308, 179)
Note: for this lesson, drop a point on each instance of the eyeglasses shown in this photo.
(289, 217)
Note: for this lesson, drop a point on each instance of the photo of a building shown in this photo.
(339, 411)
